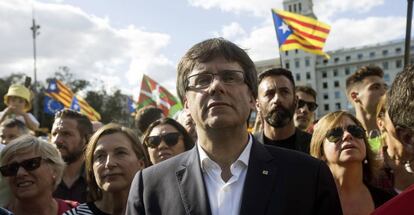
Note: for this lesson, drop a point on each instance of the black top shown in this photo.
(299, 141)
(379, 196)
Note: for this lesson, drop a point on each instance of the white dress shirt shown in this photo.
(225, 197)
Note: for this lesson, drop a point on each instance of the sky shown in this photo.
(115, 42)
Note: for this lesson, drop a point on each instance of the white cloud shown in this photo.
(326, 9)
(352, 33)
(231, 31)
(88, 45)
(257, 8)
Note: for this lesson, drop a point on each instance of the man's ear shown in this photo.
(405, 136)
(257, 105)
(354, 96)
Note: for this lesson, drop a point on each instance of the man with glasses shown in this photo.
(305, 111)
(229, 171)
(276, 104)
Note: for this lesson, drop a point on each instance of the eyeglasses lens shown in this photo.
(29, 165)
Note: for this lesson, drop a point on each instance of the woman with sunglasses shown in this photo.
(340, 140)
(113, 155)
(166, 138)
(33, 169)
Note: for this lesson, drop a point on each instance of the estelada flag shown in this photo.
(295, 31)
(63, 94)
(154, 94)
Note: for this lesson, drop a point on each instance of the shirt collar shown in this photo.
(205, 160)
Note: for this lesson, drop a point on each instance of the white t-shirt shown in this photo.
(21, 118)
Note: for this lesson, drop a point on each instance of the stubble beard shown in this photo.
(279, 117)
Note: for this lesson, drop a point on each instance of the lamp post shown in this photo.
(408, 33)
(35, 29)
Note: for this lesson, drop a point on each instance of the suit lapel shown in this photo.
(191, 185)
(260, 181)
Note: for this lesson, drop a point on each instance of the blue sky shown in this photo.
(115, 42)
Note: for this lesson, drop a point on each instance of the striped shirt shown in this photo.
(85, 209)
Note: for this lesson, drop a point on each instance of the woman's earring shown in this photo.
(365, 161)
(407, 166)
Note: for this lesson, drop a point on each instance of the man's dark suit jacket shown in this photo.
(278, 181)
(302, 140)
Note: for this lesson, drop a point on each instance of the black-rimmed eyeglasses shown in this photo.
(203, 80)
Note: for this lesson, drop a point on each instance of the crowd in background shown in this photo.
(350, 163)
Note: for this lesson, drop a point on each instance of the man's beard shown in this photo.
(280, 116)
(73, 156)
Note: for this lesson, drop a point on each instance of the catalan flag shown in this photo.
(295, 31)
(154, 94)
(60, 92)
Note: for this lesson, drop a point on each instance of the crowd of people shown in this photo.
(205, 160)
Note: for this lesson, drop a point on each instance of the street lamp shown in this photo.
(35, 29)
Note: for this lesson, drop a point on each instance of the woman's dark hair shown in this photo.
(188, 141)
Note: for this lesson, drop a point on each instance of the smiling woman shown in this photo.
(113, 155)
(33, 169)
(341, 142)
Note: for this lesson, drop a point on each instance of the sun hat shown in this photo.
(21, 91)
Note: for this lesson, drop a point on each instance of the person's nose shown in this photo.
(21, 171)
(163, 145)
(110, 161)
(216, 85)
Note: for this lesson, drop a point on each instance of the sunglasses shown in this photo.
(29, 165)
(336, 134)
(170, 139)
(311, 105)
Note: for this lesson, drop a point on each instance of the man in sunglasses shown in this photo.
(70, 133)
(400, 108)
(229, 171)
(276, 103)
(364, 89)
(305, 111)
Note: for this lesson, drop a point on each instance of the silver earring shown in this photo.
(407, 166)
(365, 161)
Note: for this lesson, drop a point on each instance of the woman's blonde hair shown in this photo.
(27, 144)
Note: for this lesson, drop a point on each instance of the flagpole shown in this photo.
(408, 33)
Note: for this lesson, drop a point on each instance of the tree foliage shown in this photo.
(112, 106)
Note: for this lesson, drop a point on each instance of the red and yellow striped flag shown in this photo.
(62, 93)
(295, 31)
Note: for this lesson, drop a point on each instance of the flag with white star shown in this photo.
(295, 31)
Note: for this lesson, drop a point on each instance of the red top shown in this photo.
(402, 204)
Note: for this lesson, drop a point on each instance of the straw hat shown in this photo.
(21, 91)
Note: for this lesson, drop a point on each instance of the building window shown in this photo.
(325, 96)
(387, 77)
(296, 51)
(372, 54)
(287, 53)
(287, 65)
(307, 62)
(385, 52)
(337, 94)
(347, 71)
(325, 61)
(336, 84)
(290, 8)
(325, 85)
(297, 77)
(324, 74)
(398, 63)
(338, 106)
(360, 55)
(336, 59)
(348, 58)
(300, 7)
(294, 8)
(398, 50)
(297, 63)
(308, 75)
(335, 72)
(326, 107)
(385, 65)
